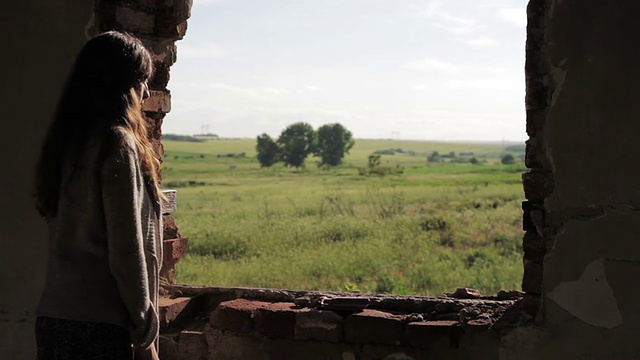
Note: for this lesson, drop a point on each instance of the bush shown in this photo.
(374, 168)
(434, 157)
(434, 223)
(507, 159)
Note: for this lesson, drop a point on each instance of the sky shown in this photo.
(385, 69)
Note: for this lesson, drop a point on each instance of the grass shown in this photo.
(431, 229)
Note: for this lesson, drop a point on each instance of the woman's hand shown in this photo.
(149, 353)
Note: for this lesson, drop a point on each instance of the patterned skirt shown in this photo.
(60, 339)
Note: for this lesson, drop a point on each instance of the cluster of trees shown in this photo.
(175, 137)
(296, 142)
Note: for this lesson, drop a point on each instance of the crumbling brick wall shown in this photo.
(200, 323)
(159, 24)
(538, 181)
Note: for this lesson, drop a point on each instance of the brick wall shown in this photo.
(159, 24)
(238, 323)
(537, 182)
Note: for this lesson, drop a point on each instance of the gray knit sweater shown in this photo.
(105, 244)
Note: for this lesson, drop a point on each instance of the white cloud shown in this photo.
(313, 88)
(458, 30)
(455, 20)
(204, 51)
(481, 84)
(455, 24)
(430, 64)
(252, 91)
(516, 16)
(482, 42)
(432, 7)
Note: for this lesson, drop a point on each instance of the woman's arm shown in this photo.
(122, 200)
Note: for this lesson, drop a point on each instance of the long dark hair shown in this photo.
(101, 93)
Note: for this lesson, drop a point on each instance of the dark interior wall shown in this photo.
(41, 39)
(590, 276)
(591, 218)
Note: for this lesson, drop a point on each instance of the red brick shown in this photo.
(531, 304)
(169, 347)
(168, 26)
(168, 270)
(236, 315)
(228, 316)
(480, 345)
(154, 126)
(162, 51)
(374, 326)
(134, 21)
(161, 77)
(156, 4)
(171, 230)
(387, 352)
(535, 156)
(533, 246)
(427, 333)
(537, 185)
(277, 320)
(320, 325)
(306, 350)
(173, 251)
(169, 309)
(193, 345)
(536, 63)
(159, 101)
(228, 346)
(532, 277)
(179, 9)
(182, 9)
(537, 95)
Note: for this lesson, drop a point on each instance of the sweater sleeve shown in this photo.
(122, 200)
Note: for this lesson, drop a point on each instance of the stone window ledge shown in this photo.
(198, 321)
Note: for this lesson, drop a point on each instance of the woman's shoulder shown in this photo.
(121, 139)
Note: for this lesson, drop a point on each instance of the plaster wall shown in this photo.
(592, 217)
(41, 39)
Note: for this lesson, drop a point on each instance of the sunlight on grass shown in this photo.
(432, 229)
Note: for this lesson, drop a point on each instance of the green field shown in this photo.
(430, 229)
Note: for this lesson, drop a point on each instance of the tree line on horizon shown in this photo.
(299, 140)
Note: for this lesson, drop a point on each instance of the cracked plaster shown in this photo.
(590, 297)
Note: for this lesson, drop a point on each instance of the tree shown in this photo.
(433, 157)
(268, 151)
(508, 159)
(334, 141)
(296, 142)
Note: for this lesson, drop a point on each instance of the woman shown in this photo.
(97, 188)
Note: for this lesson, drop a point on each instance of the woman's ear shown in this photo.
(144, 93)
